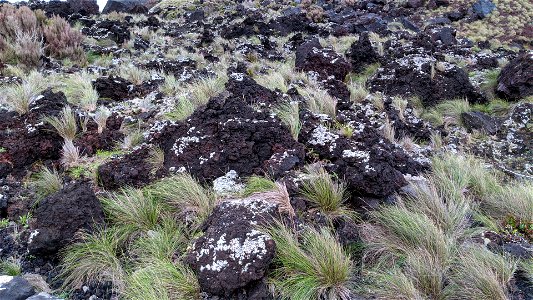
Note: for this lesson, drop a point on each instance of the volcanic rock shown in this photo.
(61, 215)
(516, 79)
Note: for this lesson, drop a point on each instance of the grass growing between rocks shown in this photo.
(46, 182)
(10, 267)
(422, 247)
(312, 265)
(258, 184)
(325, 194)
(139, 251)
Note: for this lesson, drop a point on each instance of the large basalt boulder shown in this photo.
(61, 215)
(108, 29)
(15, 288)
(128, 6)
(26, 139)
(422, 76)
(312, 57)
(232, 253)
(228, 134)
(516, 79)
(371, 165)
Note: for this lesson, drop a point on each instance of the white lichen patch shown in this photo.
(229, 184)
(322, 136)
(239, 251)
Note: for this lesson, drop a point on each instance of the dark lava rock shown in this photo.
(446, 35)
(17, 288)
(245, 87)
(368, 163)
(480, 121)
(108, 29)
(131, 169)
(483, 8)
(361, 53)
(420, 75)
(182, 69)
(224, 135)
(84, 7)
(516, 79)
(311, 56)
(61, 215)
(112, 88)
(26, 139)
(232, 253)
(128, 6)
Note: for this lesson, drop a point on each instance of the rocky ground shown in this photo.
(218, 149)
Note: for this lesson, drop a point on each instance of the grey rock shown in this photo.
(483, 8)
(480, 121)
(15, 288)
(43, 296)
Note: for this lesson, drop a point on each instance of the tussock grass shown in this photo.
(96, 258)
(358, 91)
(80, 92)
(100, 117)
(273, 80)
(162, 280)
(258, 184)
(10, 266)
(156, 159)
(289, 113)
(184, 109)
(312, 266)
(133, 73)
(481, 274)
(186, 195)
(161, 243)
(70, 154)
(171, 86)
(65, 124)
(206, 88)
(136, 210)
(46, 182)
(515, 199)
(318, 100)
(447, 112)
(327, 195)
(19, 97)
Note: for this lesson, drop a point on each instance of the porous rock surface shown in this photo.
(61, 215)
(232, 252)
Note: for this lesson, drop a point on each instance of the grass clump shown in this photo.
(312, 266)
(447, 112)
(133, 73)
(327, 195)
(46, 182)
(258, 184)
(319, 101)
(78, 89)
(162, 280)
(18, 97)
(204, 89)
(10, 266)
(184, 109)
(134, 209)
(186, 195)
(65, 124)
(96, 258)
(289, 113)
(495, 106)
(481, 274)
